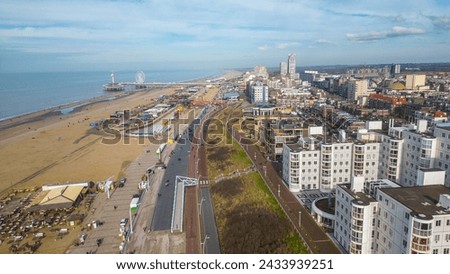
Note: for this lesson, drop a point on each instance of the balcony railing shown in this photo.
(425, 233)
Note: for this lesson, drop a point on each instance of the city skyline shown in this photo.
(121, 35)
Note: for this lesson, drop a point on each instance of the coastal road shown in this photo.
(177, 165)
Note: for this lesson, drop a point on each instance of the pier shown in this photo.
(140, 83)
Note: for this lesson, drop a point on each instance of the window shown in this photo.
(438, 223)
(435, 251)
(447, 237)
(406, 215)
(437, 238)
(446, 250)
(404, 244)
(448, 222)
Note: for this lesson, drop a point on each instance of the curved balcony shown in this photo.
(421, 233)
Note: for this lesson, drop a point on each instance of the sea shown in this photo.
(23, 93)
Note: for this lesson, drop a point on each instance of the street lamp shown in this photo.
(203, 244)
(131, 222)
(299, 218)
(200, 205)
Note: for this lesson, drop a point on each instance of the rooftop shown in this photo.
(295, 147)
(445, 126)
(361, 198)
(420, 199)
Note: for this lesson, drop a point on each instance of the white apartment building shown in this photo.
(259, 93)
(390, 154)
(442, 161)
(414, 220)
(366, 160)
(397, 156)
(383, 218)
(301, 167)
(355, 214)
(308, 167)
(356, 88)
(335, 165)
(419, 151)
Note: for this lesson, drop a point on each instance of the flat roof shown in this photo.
(360, 198)
(420, 199)
(432, 169)
(445, 126)
(295, 147)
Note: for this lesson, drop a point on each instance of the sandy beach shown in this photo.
(46, 148)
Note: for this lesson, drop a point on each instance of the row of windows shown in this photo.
(437, 238)
(443, 135)
(447, 156)
(444, 251)
(309, 163)
(438, 222)
(309, 186)
(309, 170)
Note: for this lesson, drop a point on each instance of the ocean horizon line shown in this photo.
(23, 94)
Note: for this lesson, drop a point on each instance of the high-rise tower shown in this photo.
(283, 69)
(291, 64)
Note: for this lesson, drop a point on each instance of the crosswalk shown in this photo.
(203, 182)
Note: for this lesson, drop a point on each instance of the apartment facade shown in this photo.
(308, 166)
(301, 167)
(259, 93)
(390, 154)
(419, 151)
(381, 217)
(442, 161)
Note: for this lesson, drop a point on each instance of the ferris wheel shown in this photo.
(139, 77)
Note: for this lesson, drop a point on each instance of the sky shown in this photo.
(59, 35)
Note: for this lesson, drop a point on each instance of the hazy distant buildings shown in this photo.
(395, 69)
(356, 88)
(292, 63)
(259, 93)
(415, 81)
(260, 71)
(283, 69)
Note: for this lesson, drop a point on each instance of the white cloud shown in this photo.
(287, 45)
(440, 22)
(231, 29)
(324, 42)
(375, 36)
